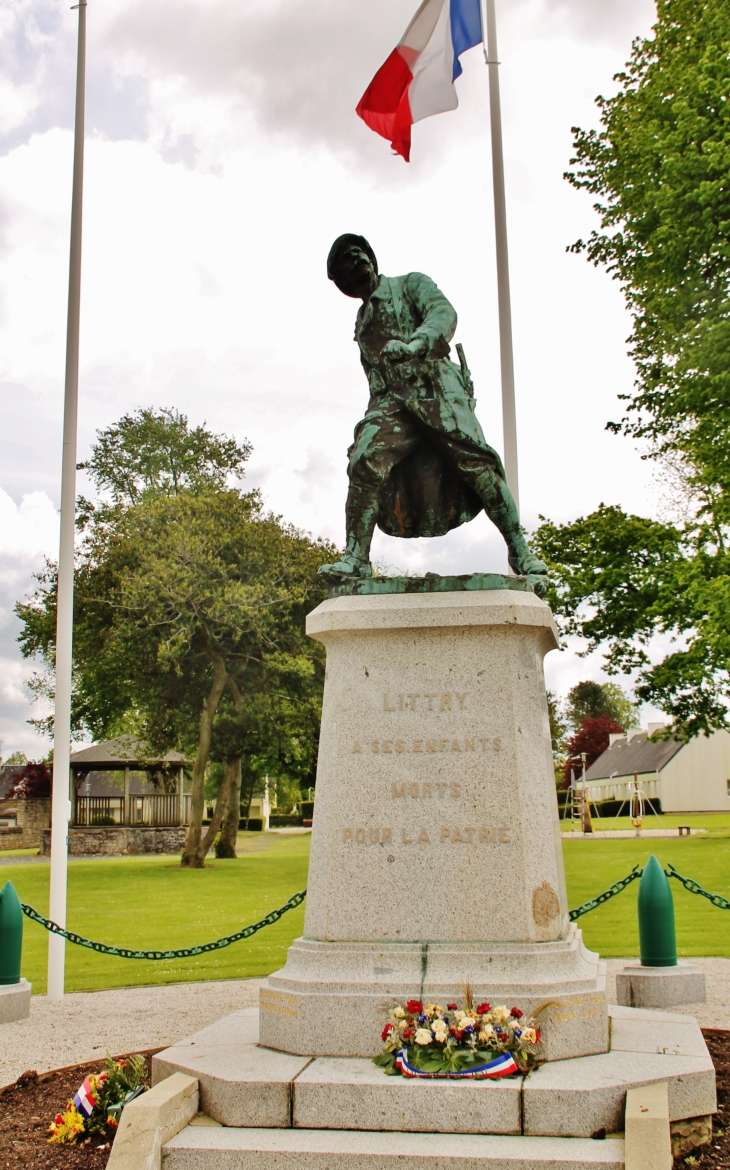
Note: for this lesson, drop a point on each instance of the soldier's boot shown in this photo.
(355, 561)
(501, 509)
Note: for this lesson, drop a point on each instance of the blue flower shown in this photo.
(518, 1032)
(446, 1020)
(469, 1028)
(423, 1019)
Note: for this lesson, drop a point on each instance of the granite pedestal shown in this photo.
(15, 1001)
(660, 987)
(436, 852)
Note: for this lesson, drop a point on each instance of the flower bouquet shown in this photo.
(479, 1042)
(99, 1102)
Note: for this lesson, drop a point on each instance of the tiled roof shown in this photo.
(126, 751)
(639, 754)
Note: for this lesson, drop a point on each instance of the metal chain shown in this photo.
(611, 892)
(182, 953)
(695, 888)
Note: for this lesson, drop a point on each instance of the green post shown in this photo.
(11, 935)
(656, 918)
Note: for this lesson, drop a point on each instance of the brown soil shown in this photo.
(28, 1107)
(717, 1155)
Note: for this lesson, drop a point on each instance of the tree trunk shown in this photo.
(229, 825)
(221, 805)
(190, 857)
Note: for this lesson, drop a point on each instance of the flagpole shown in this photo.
(506, 353)
(61, 805)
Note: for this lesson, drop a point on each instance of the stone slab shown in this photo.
(336, 1093)
(358, 980)
(241, 1084)
(147, 1123)
(196, 1148)
(637, 1030)
(647, 1141)
(15, 1001)
(660, 987)
(579, 1097)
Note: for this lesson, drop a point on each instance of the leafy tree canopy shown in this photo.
(589, 700)
(155, 452)
(591, 739)
(16, 758)
(658, 167)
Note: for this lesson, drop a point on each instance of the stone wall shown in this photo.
(32, 817)
(116, 840)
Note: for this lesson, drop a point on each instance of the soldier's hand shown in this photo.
(400, 351)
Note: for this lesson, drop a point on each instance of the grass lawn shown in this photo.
(149, 902)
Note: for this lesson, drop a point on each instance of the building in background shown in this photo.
(676, 777)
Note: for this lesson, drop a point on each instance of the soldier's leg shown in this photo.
(384, 437)
(483, 471)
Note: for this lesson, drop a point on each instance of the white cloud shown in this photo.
(28, 528)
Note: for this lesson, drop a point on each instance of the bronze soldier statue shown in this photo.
(419, 464)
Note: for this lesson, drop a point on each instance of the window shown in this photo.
(11, 822)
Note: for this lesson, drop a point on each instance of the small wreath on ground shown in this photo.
(98, 1104)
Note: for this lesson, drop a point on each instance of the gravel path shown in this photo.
(88, 1024)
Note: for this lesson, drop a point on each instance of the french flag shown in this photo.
(418, 78)
(85, 1099)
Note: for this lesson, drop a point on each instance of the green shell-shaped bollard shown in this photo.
(656, 918)
(11, 935)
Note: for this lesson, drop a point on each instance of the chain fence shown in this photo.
(296, 900)
(181, 952)
(611, 892)
(695, 888)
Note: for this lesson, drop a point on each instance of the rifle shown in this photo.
(465, 372)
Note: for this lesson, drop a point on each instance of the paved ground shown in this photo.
(88, 1024)
(91, 1023)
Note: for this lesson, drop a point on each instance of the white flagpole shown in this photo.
(509, 416)
(61, 805)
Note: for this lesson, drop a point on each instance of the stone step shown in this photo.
(207, 1148)
(243, 1084)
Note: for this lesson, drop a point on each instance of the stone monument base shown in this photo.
(354, 981)
(15, 1001)
(263, 1110)
(660, 987)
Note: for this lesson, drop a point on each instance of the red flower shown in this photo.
(452, 1006)
(415, 1006)
(58, 1120)
(516, 1014)
(386, 1031)
(408, 1033)
(484, 1008)
(537, 1036)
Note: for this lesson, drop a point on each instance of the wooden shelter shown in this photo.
(119, 782)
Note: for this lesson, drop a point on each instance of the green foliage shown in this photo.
(154, 452)
(589, 700)
(15, 758)
(618, 580)
(658, 167)
(558, 733)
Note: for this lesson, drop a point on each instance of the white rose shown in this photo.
(500, 1014)
(423, 1036)
(440, 1028)
(398, 1013)
(529, 1035)
(459, 1016)
(486, 1034)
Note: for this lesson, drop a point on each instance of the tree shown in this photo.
(154, 452)
(591, 738)
(588, 700)
(658, 167)
(180, 599)
(34, 783)
(558, 733)
(16, 758)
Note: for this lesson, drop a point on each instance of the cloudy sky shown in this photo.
(223, 156)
